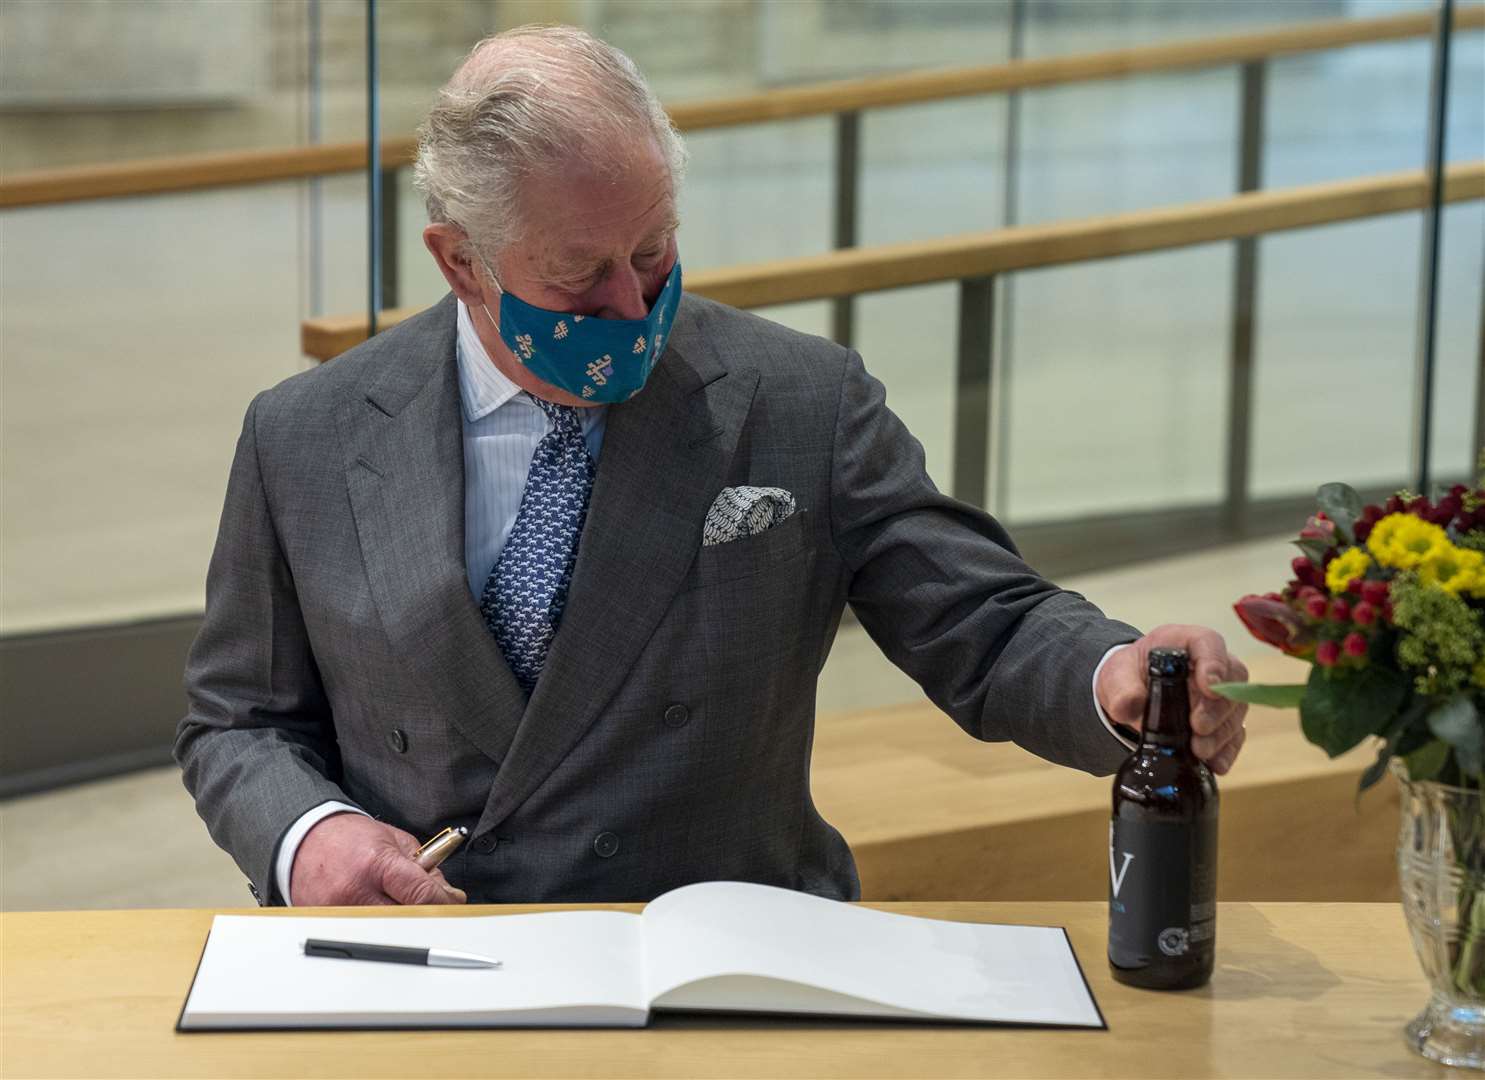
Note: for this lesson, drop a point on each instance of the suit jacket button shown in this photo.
(485, 844)
(677, 716)
(606, 844)
(397, 740)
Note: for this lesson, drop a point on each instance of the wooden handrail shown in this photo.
(920, 86)
(894, 266)
(199, 171)
(195, 172)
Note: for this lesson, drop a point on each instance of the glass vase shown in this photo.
(1441, 868)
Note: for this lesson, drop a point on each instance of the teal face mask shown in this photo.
(599, 360)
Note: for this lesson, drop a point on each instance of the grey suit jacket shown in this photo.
(668, 740)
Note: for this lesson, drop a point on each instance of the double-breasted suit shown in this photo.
(668, 739)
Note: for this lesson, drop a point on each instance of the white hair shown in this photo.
(526, 102)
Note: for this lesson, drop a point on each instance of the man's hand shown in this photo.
(1216, 723)
(354, 859)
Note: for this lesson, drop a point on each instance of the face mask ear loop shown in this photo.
(498, 287)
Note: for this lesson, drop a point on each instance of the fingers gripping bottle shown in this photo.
(1163, 845)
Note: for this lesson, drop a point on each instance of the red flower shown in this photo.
(1318, 527)
(1374, 592)
(1355, 645)
(1275, 624)
(1307, 573)
(1364, 613)
(1340, 611)
(1327, 653)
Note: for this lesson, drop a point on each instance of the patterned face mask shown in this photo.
(598, 360)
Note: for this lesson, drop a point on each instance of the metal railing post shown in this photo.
(315, 245)
(1244, 303)
(1479, 444)
(373, 176)
(1428, 269)
(847, 180)
(1010, 213)
(972, 382)
(389, 237)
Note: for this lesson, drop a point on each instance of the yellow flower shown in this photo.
(1352, 563)
(1453, 570)
(1402, 541)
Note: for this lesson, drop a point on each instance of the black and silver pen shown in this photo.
(396, 954)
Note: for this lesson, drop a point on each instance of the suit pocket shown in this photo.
(750, 555)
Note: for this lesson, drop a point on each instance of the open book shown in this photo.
(721, 945)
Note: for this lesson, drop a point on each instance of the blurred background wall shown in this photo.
(134, 331)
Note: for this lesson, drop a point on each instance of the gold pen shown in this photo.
(440, 847)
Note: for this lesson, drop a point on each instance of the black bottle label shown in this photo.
(1162, 890)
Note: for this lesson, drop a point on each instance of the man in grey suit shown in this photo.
(560, 559)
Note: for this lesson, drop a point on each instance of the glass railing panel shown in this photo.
(757, 193)
(1115, 386)
(1364, 110)
(1334, 370)
(133, 334)
(908, 339)
(1459, 359)
(932, 170)
(344, 244)
(113, 80)
(1114, 146)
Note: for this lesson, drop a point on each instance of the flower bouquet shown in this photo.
(1388, 603)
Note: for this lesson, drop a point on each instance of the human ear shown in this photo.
(449, 247)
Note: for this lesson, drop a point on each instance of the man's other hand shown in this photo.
(1216, 723)
(354, 859)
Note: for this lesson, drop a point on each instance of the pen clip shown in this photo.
(433, 841)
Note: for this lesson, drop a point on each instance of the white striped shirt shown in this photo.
(502, 426)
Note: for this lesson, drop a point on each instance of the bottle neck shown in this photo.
(1167, 713)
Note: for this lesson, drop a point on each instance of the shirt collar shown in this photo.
(483, 387)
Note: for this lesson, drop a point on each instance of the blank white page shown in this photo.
(571, 967)
(705, 936)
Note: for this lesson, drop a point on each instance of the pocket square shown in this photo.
(744, 511)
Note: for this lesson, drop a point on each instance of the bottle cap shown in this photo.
(1169, 663)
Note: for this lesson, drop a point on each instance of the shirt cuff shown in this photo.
(295, 836)
(1129, 743)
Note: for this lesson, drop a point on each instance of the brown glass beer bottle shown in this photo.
(1163, 845)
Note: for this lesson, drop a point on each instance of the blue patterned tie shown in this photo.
(524, 596)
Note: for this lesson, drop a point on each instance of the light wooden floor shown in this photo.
(135, 841)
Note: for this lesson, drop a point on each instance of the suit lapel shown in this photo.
(664, 457)
(405, 473)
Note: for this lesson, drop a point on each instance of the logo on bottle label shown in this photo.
(1174, 941)
(1116, 877)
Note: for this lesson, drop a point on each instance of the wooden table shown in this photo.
(1301, 990)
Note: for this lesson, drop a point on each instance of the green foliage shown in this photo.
(1426, 762)
(1400, 736)
(1273, 696)
(1342, 505)
(1441, 639)
(1314, 550)
(1376, 769)
(1457, 722)
(1341, 707)
(1474, 540)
